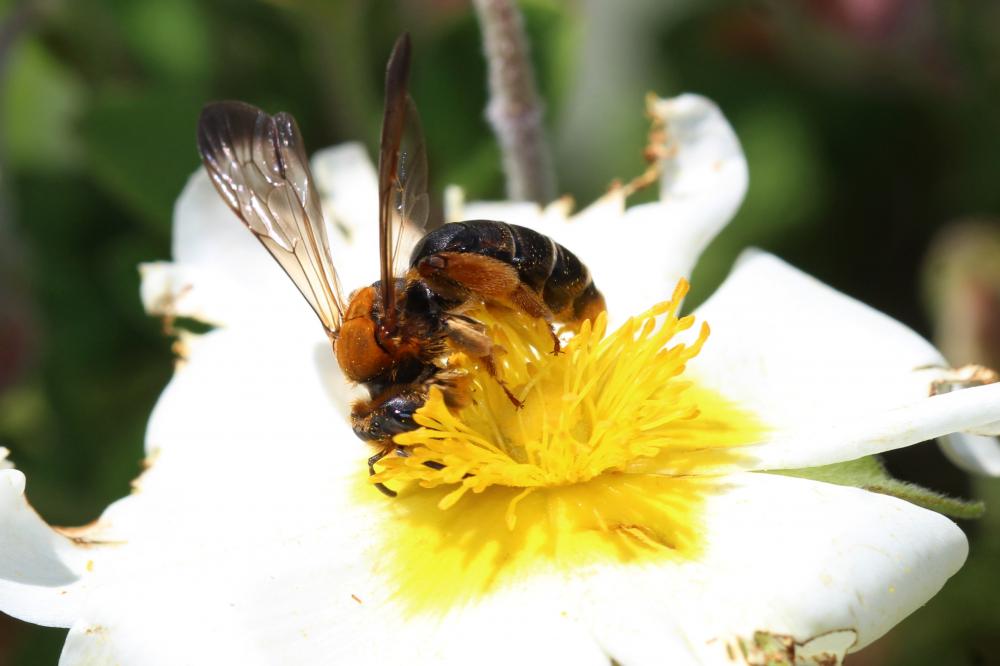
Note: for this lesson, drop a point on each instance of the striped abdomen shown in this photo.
(509, 264)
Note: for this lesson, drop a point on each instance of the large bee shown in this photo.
(392, 337)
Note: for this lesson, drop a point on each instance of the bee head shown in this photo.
(360, 352)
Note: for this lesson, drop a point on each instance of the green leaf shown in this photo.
(869, 473)
(40, 102)
(169, 36)
(141, 146)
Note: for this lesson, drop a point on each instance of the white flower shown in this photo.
(253, 537)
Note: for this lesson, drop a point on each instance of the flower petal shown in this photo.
(348, 184)
(281, 573)
(703, 182)
(852, 436)
(833, 378)
(276, 551)
(38, 566)
(240, 394)
(304, 595)
(250, 507)
(973, 453)
(220, 274)
(785, 556)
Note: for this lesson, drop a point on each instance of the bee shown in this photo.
(394, 336)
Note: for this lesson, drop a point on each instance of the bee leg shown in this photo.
(492, 369)
(385, 490)
(556, 342)
(470, 336)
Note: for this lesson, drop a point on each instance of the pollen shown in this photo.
(611, 452)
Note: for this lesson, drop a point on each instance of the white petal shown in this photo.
(848, 436)
(973, 453)
(523, 213)
(38, 566)
(220, 274)
(177, 290)
(297, 594)
(637, 261)
(138, 639)
(274, 565)
(704, 180)
(348, 183)
(833, 378)
(89, 644)
(247, 509)
(245, 393)
(786, 556)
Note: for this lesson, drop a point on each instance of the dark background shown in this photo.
(871, 129)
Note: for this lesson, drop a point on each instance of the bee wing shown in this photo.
(258, 164)
(404, 206)
(411, 204)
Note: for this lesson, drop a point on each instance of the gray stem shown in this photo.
(515, 110)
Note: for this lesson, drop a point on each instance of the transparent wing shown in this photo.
(259, 166)
(412, 203)
(404, 206)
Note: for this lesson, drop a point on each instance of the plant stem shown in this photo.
(515, 110)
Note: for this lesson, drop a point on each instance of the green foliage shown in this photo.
(41, 100)
(139, 149)
(870, 474)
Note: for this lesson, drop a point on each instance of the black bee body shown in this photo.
(542, 277)
(477, 259)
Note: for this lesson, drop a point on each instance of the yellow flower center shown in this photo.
(610, 456)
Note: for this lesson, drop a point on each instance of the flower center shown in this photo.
(610, 455)
(602, 404)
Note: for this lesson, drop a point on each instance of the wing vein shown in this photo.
(258, 164)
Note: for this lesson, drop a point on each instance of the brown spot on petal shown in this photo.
(659, 147)
(147, 464)
(768, 649)
(181, 352)
(771, 649)
(356, 598)
(965, 377)
(165, 305)
(89, 535)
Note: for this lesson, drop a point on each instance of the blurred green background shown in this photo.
(872, 127)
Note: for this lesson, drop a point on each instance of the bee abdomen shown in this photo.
(547, 269)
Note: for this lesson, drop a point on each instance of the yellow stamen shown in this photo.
(611, 455)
